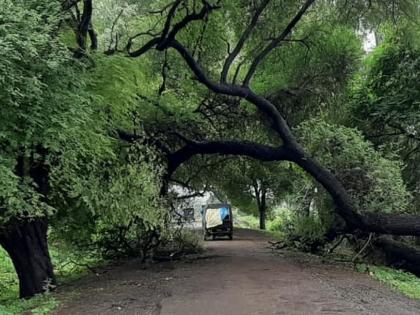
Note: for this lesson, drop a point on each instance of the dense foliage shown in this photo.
(385, 99)
(39, 112)
(373, 181)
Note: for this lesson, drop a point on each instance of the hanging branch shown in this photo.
(111, 49)
(245, 35)
(83, 26)
(363, 248)
(276, 42)
(164, 72)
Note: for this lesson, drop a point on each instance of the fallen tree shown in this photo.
(399, 254)
(290, 150)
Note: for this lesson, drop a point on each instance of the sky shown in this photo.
(369, 41)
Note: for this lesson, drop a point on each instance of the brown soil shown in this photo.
(234, 278)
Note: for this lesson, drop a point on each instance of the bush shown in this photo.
(8, 279)
(373, 182)
(180, 242)
(306, 233)
(136, 238)
(69, 264)
(247, 221)
(276, 225)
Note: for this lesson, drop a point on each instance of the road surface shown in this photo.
(238, 277)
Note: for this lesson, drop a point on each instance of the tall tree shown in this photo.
(58, 147)
(37, 109)
(385, 100)
(179, 18)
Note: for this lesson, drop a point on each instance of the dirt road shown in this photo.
(238, 277)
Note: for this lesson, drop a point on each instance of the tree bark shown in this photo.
(263, 209)
(26, 244)
(381, 223)
(263, 215)
(260, 193)
(399, 254)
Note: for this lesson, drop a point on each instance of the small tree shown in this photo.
(252, 186)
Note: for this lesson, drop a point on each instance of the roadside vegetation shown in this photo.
(399, 280)
(69, 266)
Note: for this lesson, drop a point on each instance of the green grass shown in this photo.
(10, 304)
(247, 221)
(40, 305)
(401, 281)
(69, 265)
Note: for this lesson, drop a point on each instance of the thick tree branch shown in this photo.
(166, 39)
(254, 150)
(169, 18)
(246, 34)
(84, 24)
(144, 49)
(279, 124)
(276, 42)
(93, 37)
(400, 254)
(192, 195)
(164, 72)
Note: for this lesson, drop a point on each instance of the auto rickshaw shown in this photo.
(217, 221)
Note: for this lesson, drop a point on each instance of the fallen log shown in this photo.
(399, 254)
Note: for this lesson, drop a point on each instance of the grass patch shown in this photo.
(39, 305)
(247, 221)
(69, 265)
(401, 281)
(10, 304)
(9, 288)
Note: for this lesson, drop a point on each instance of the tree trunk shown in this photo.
(399, 255)
(261, 203)
(381, 223)
(263, 209)
(262, 218)
(26, 244)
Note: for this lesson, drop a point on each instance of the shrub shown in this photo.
(246, 221)
(373, 182)
(180, 241)
(306, 233)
